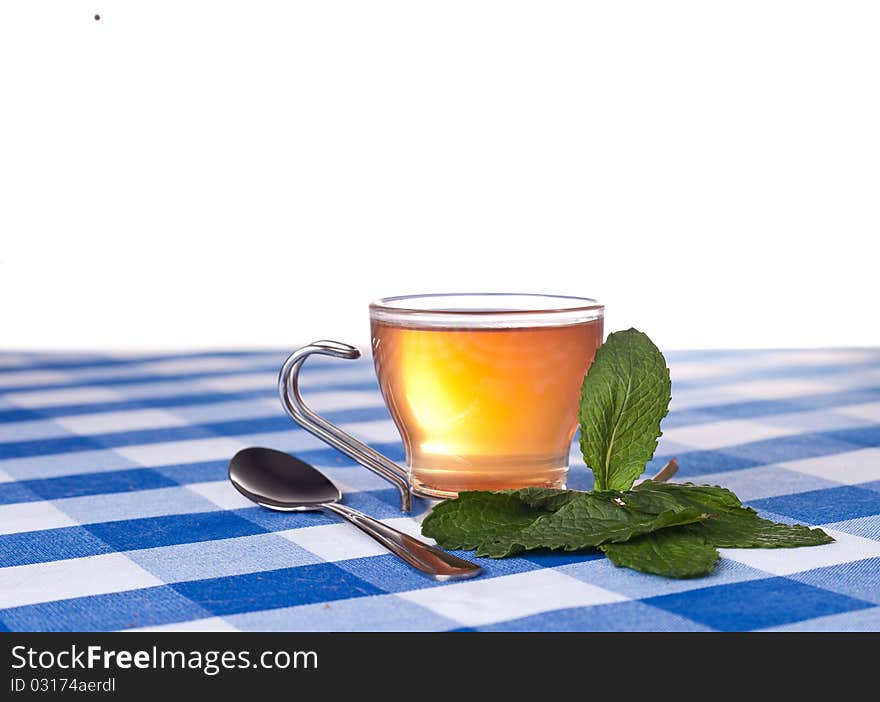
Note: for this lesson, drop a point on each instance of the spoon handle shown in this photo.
(430, 560)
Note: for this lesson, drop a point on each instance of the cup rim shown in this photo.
(485, 310)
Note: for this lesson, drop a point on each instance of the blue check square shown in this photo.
(835, 504)
(287, 587)
(756, 604)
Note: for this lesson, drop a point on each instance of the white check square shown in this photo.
(292, 440)
(189, 451)
(339, 542)
(695, 371)
(851, 468)
(819, 357)
(351, 478)
(692, 398)
(66, 396)
(29, 431)
(784, 561)
(239, 382)
(823, 420)
(136, 504)
(108, 422)
(379, 431)
(13, 361)
(221, 493)
(334, 542)
(206, 624)
(58, 464)
(777, 388)
(765, 481)
(330, 401)
(32, 516)
(18, 379)
(731, 432)
(869, 411)
(75, 577)
(351, 373)
(478, 602)
(174, 366)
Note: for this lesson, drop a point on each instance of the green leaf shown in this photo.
(475, 516)
(730, 525)
(748, 530)
(710, 496)
(675, 553)
(624, 396)
(546, 498)
(584, 522)
(499, 524)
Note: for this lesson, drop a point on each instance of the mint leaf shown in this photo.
(584, 522)
(499, 524)
(675, 553)
(751, 531)
(476, 516)
(546, 498)
(730, 525)
(710, 496)
(624, 396)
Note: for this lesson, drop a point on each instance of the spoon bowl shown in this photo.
(279, 481)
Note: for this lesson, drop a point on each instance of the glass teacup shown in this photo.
(483, 388)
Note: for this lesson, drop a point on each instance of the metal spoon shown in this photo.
(282, 482)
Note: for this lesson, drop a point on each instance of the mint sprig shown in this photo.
(656, 527)
(671, 552)
(661, 528)
(623, 398)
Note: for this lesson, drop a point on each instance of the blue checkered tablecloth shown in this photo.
(115, 512)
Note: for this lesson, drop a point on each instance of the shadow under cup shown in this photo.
(484, 389)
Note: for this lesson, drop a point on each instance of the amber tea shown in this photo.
(480, 405)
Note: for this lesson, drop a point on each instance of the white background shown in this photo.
(190, 173)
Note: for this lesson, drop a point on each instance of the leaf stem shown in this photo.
(666, 472)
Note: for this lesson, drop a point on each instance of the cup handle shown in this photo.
(292, 402)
